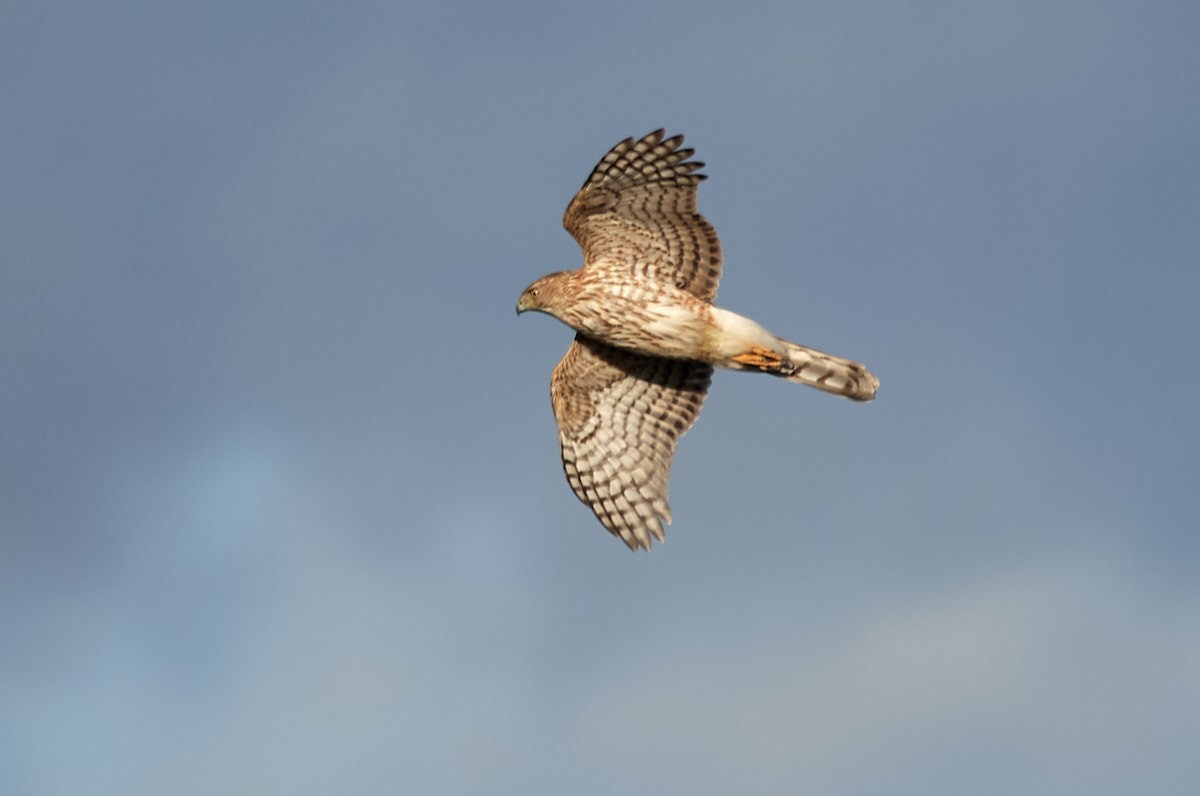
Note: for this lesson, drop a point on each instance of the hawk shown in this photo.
(648, 334)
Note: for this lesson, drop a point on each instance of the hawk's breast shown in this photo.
(662, 323)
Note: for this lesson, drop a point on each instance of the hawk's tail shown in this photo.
(744, 345)
(805, 365)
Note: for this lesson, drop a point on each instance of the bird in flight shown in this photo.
(647, 334)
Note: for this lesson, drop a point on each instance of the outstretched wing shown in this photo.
(619, 416)
(638, 210)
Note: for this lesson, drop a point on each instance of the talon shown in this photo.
(760, 358)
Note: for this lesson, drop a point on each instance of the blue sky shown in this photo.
(282, 509)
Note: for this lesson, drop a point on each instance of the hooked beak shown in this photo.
(523, 303)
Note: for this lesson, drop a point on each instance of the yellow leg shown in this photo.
(759, 358)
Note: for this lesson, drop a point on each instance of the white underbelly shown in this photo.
(737, 333)
(660, 328)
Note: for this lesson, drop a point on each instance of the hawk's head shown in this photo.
(546, 294)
